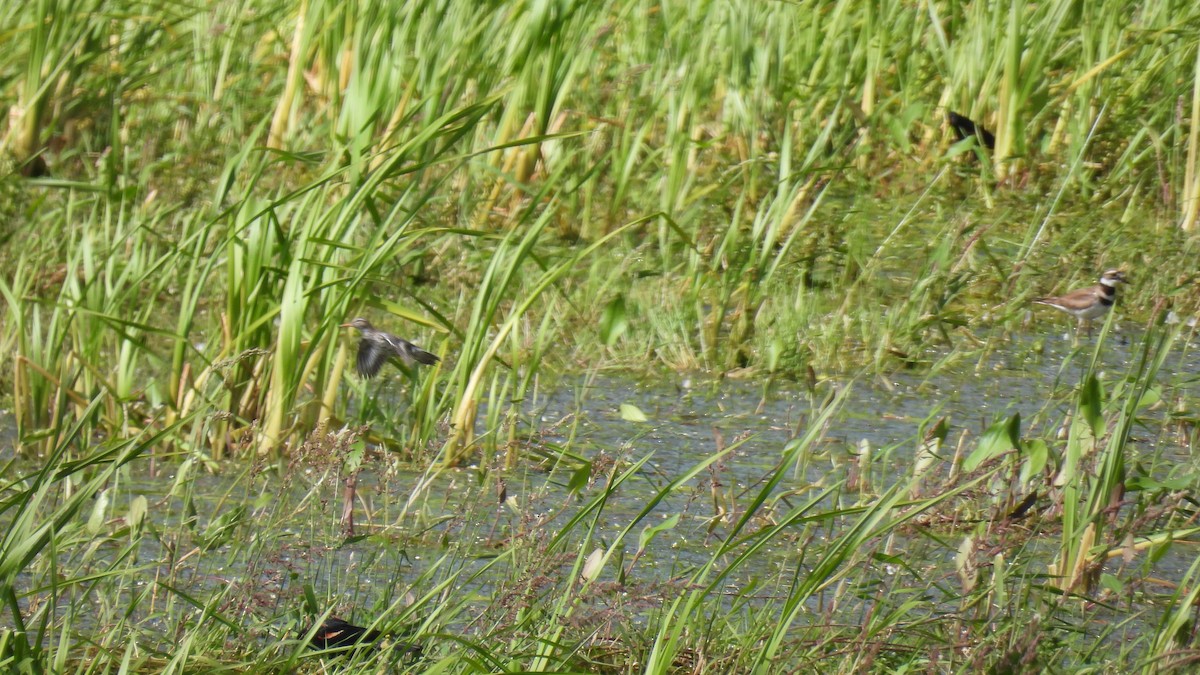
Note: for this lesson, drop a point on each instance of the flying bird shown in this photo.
(377, 346)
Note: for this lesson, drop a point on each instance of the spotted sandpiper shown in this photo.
(377, 346)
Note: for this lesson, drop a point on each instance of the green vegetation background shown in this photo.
(196, 195)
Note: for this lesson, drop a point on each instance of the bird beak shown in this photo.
(346, 325)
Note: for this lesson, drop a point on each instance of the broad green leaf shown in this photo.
(136, 518)
(1152, 396)
(1112, 583)
(614, 322)
(651, 531)
(221, 528)
(631, 413)
(1090, 405)
(580, 478)
(1002, 436)
(1148, 483)
(1036, 454)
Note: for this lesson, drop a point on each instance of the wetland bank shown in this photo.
(737, 362)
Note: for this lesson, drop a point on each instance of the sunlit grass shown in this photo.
(194, 198)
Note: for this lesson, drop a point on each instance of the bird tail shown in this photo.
(421, 356)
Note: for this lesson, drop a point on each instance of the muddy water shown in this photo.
(688, 418)
(452, 521)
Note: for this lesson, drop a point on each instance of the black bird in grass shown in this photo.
(1022, 509)
(378, 346)
(964, 126)
(343, 635)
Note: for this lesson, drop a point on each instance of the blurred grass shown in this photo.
(194, 197)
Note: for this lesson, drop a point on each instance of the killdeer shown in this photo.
(1088, 303)
(378, 346)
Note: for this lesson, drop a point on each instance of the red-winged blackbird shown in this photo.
(337, 634)
(343, 636)
(964, 126)
(378, 346)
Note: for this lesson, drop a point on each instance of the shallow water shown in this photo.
(455, 523)
(686, 415)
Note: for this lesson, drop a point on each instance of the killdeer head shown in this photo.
(1088, 303)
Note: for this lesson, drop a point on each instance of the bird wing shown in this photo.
(1075, 300)
(1078, 299)
(371, 357)
(337, 634)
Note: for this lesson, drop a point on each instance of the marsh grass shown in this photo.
(728, 180)
(561, 576)
(192, 199)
